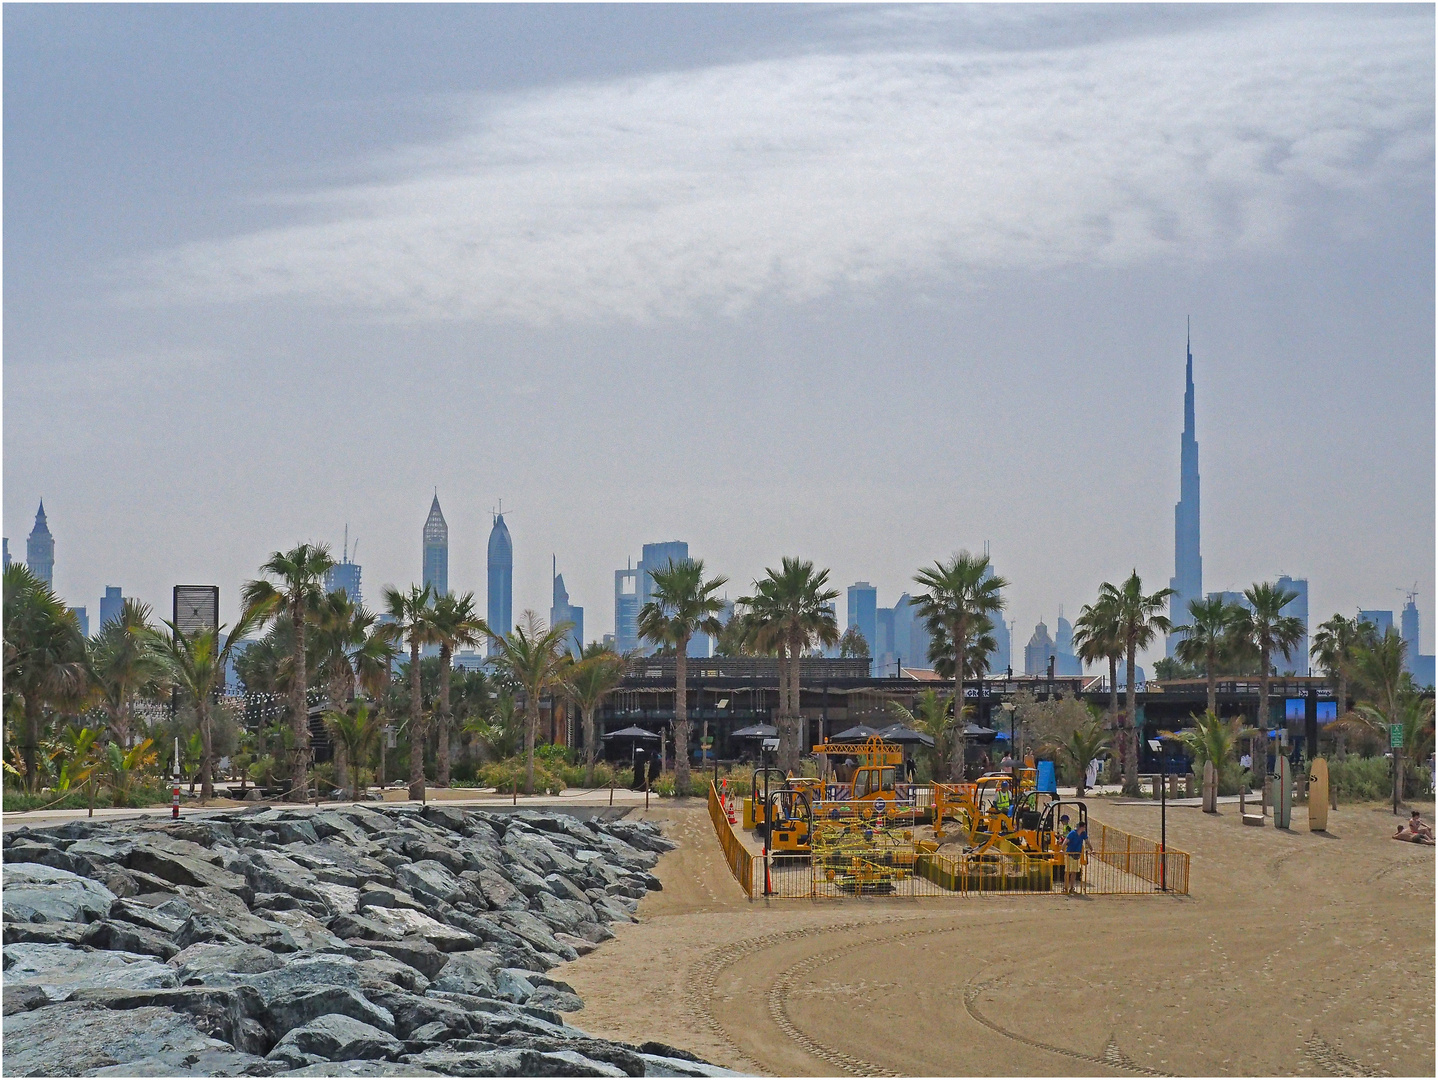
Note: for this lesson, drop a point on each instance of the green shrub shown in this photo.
(507, 774)
(1360, 779)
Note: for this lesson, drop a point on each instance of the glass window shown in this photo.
(887, 783)
(861, 783)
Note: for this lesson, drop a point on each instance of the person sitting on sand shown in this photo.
(1418, 826)
(1406, 834)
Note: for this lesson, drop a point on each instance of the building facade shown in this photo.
(1295, 661)
(501, 579)
(626, 610)
(83, 618)
(1187, 580)
(862, 611)
(561, 610)
(436, 550)
(40, 549)
(345, 574)
(112, 605)
(1038, 651)
(1382, 620)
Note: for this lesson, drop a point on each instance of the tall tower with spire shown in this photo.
(561, 611)
(501, 578)
(40, 549)
(1187, 580)
(436, 549)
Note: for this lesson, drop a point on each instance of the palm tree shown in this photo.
(372, 662)
(45, 661)
(684, 604)
(125, 664)
(534, 657)
(1140, 619)
(1097, 637)
(959, 596)
(853, 644)
(196, 664)
(589, 680)
(1263, 626)
(297, 588)
(453, 624)
(499, 732)
(1334, 646)
(934, 718)
(1083, 745)
(1378, 669)
(340, 629)
(119, 768)
(354, 735)
(790, 611)
(410, 613)
(1206, 637)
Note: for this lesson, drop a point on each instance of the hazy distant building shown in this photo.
(1419, 664)
(83, 618)
(1296, 661)
(884, 650)
(911, 636)
(468, 660)
(1065, 662)
(862, 611)
(561, 610)
(1382, 620)
(1038, 651)
(1002, 658)
(112, 605)
(501, 579)
(7, 553)
(1187, 580)
(436, 550)
(657, 557)
(626, 610)
(345, 574)
(40, 549)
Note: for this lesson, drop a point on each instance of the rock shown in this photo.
(29, 851)
(446, 817)
(144, 915)
(89, 1040)
(660, 1065)
(563, 914)
(407, 922)
(308, 933)
(45, 933)
(386, 970)
(198, 962)
(363, 927)
(412, 1012)
(335, 1037)
(34, 892)
(496, 891)
(431, 879)
(330, 824)
(301, 974)
(559, 1000)
(299, 1008)
(187, 870)
(536, 932)
(510, 1063)
(526, 880)
(427, 851)
(565, 889)
(127, 937)
(359, 1068)
(218, 1012)
(580, 945)
(383, 896)
(470, 972)
(24, 998)
(416, 952)
(60, 970)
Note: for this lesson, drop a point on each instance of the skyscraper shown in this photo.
(83, 618)
(501, 579)
(7, 553)
(1296, 661)
(1382, 620)
(345, 574)
(654, 557)
(1038, 651)
(1187, 580)
(562, 610)
(112, 605)
(1419, 664)
(626, 610)
(863, 612)
(436, 550)
(1065, 662)
(40, 549)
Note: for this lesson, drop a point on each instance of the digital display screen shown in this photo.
(1294, 708)
(1327, 710)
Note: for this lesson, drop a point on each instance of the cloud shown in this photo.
(658, 196)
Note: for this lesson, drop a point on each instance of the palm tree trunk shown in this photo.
(416, 725)
(341, 768)
(300, 718)
(441, 755)
(1212, 683)
(207, 749)
(1130, 765)
(681, 716)
(32, 742)
(795, 704)
(531, 727)
(961, 733)
(588, 714)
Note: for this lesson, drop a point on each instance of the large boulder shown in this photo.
(204, 960)
(296, 1009)
(87, 1039)
(509, 1062)
(334, 1037)
(416, 952)
(127, 937)
(60, 970)
(35, 892)
(360, 1068)
(387, 971)
(407, 922)
(470, 972)
(220, 1012)
(187, 869)
(429, 878)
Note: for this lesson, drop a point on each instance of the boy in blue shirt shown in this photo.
(1074, 846)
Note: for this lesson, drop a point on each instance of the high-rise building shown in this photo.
(885, 649)
(562, 610)
(112, 605)
(1295, 662)
(436, 550)
(83, 618)
(345, 574)
(911, 636)
(1038, 651)
(1229, 596)
(1382, 620)
(7, 553)
(863, 612)
(40, 549)
(654, 557)
(1187, 580)
(626, 610)
(501, 579)
(1419, 664)
(1002, 657)
(1065, 662)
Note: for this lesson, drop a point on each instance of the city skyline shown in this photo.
(734, 274)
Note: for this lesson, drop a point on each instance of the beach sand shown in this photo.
(1297, 953)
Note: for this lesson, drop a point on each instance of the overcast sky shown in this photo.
(865, 285)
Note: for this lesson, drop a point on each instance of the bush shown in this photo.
(1361, 779)
(507, 774)
(17, 801)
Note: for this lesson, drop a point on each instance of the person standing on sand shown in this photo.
(1074, 847)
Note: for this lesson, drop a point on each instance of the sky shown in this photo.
(865, 285)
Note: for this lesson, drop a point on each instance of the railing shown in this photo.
(741, 863)
(1140, 858)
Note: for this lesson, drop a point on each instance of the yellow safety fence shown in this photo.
(741, 863)
(1139, 857)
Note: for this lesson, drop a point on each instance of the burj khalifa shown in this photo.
(1187, 580)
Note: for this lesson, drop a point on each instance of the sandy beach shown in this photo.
(1296, 953)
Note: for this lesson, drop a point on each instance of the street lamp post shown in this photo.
(764, 747)
(1159, 747)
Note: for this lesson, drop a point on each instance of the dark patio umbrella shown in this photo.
(900, 734)
(757, 731)
(631, 732)
(981, 734)
(856, 733)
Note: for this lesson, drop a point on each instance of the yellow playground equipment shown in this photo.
(987, 805)
(874, 789)
(862, 855)
(786, 821)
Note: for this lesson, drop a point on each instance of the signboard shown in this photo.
(1395, 736)
(197, 608)
(770, 744)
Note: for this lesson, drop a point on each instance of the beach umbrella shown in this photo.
(757, 731)
(982, 734)
(897, 733)
(635, 733)
(857, 733)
